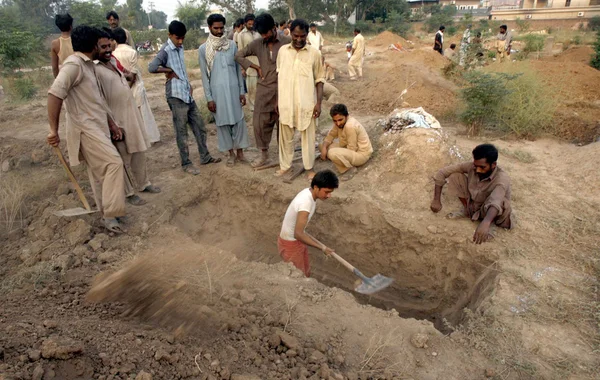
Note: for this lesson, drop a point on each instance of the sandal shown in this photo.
(191, 169)
(348, 174)
(112, 225)
(152, 189)
(212, 161)
(260, 162)
(136, 200)
(242, 160)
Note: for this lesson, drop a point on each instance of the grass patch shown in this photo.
(24, 86)
(12, 196)
(519, 155)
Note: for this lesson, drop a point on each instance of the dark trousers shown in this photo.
(184, 114)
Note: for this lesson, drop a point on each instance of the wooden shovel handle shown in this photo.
(344, 262)
(72, 178)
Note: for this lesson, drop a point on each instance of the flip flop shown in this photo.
(349, 174)
(190, 169)
(136, 200)
(112, 225)
(260, 162)
(212, 161)
(152, 189)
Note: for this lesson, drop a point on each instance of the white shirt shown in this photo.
(304, 201)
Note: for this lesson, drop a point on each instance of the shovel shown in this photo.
(77, 210)
(369, 285)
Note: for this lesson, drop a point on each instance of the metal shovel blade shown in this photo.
(73, 212)
(373, 284)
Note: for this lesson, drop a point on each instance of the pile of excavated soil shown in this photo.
(581, 54)
(386, 39)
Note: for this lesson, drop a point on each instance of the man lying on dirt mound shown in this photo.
(293, 241)
(482, 187)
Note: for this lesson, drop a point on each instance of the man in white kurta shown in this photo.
(128, 57)
(243, 39)
(356, 59)
(224, 89)
(89, 125)
(300, 88)
(115, 89)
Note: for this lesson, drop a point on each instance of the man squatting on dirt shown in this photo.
(482, 187)
(353, 147)
(293, 240)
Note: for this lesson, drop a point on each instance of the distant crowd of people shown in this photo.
(502, 46)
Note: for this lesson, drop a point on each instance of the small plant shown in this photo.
(577, 40)
(12, 195)
(491, 54)
(21, 89)
(534, 43)
(594, 24)
(522, 25)
(595, 62)
(550, 30)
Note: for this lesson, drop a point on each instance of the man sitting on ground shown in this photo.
(483, 189)
(353, 147)
(293, 241)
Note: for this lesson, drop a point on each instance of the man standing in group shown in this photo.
(315, 39)
(61, 48)
(113, 21)
(301, 79)
(353, 147)
(170, 60)
(293, 240)
(438, 43)
(224, 89)
(128, 57)
(464, 45)
(89, 125)
(357, 55)
(132, 147)
(504, 42)
(244, 38)
(482, 187)
(283, 30)
(266, 50)
(237, 28)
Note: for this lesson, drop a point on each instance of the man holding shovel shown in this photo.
(293, 240)
(89, 125)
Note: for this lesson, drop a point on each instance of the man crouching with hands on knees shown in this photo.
(483, 189)
(293, 241)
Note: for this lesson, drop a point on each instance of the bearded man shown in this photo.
(224, 89)
(483, 189)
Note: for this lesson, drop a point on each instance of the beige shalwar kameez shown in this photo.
(353, 147)
(115, 90)
(129, 59)
(88, 134)
(299, 73)
(356, 60)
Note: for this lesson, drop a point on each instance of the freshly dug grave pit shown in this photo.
(436, 277)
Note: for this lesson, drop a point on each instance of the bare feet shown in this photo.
(230, 161)
(310, 174)
(280, 173)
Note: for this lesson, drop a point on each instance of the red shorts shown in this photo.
(296, 252)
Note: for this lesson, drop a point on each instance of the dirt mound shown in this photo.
(581, 54)
(386, 39)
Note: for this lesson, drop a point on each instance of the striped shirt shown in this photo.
(172, 57)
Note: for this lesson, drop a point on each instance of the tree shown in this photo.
(440, 16)
(158, 19)
(108, 5)
(87, 13)
(192, 14)
(238, 8)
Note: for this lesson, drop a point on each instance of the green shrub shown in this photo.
(491, 54)
(440, 16)
(482, 97)
(18, 49)
(577, 40)
(534, 43)
(21, 89)
(594, 24)
(515, 103)
(398, 23)
(528, 109)
(522, 25)
(596, 56)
